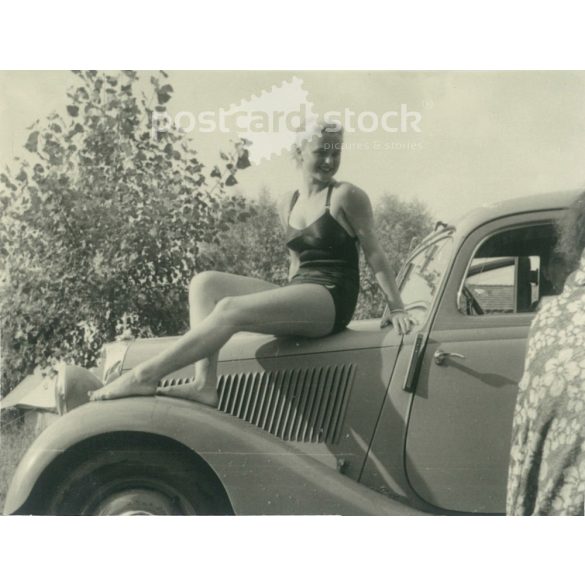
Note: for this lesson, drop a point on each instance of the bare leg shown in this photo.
(306, 310)
(205, 291)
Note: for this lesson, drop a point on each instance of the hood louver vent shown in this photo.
(306, 405)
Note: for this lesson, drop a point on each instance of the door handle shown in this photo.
(440, 356)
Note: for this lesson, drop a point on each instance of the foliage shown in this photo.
(101, 224)
(400, 225)
(253, 248)
(16, 436)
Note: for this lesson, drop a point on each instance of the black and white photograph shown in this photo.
(299, 287)
(306, 293)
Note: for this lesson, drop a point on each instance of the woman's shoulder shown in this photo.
(350, 196)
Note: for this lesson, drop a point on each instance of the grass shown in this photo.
(16, 435)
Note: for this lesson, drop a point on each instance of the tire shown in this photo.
(134, 481)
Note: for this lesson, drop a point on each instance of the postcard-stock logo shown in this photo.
(277, 119)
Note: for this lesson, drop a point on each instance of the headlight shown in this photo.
(112, 359)
(72, 385)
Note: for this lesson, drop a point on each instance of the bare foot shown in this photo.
(125, 385)
(191, 390)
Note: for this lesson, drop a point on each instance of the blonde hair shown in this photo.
(311, 128)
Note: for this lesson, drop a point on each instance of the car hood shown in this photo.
(38, 393)
(254, 346)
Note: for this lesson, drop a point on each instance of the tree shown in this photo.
(102, 223)
(253, 248)
(400, 225)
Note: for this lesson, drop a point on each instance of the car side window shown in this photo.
(512, 271)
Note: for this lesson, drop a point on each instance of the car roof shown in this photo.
(490, 211)
(539, 202)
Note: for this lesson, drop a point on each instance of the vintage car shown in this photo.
(362, 422)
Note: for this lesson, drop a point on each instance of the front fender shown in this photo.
(260, 473)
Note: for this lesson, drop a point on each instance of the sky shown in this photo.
(484, 136)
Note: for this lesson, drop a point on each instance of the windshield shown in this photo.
(424, 272)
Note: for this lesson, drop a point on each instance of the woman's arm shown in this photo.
(283, 207)
(358, 212)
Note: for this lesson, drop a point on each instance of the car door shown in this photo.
(459, 426)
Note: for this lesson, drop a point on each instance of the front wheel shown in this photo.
(134, 481)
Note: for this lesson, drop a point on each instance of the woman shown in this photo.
(325, 221)
(547, 460)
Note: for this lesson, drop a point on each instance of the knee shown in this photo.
(203, 283)
(230, 312)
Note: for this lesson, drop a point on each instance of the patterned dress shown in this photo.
(547, 459)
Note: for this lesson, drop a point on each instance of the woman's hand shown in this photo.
(400, 320)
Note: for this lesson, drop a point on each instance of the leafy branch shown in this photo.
(103, 224)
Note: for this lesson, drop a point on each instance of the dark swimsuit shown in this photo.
(328, 256)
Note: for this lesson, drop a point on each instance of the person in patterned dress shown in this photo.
(547, 459)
